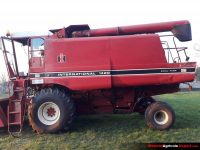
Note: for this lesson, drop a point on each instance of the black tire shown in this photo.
(143, 104)
(57, 104)
(159, 116)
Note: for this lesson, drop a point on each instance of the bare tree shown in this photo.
(198, 74)
(3, 84)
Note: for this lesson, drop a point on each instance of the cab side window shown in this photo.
(37, 47)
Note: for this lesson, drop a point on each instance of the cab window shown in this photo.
(37, 47)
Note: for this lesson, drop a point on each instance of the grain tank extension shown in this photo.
(78, 70)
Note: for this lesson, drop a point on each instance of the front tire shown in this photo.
(159, 116)
(51, 110)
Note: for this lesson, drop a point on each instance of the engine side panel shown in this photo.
(105, 62)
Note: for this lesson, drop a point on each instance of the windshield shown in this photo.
(15, 56)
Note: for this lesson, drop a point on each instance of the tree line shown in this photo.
(3, 84)
(198, 74)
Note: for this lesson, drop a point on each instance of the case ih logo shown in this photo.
(61, 58)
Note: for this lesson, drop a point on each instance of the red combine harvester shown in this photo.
(78, 70)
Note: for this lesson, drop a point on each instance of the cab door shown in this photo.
(36, 54)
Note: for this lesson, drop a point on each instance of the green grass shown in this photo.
(116, 131)
(3, 96)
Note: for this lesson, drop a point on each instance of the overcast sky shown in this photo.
(39, 16)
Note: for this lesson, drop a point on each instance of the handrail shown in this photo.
(178, 49)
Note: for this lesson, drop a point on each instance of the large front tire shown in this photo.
(159, 116)
(51, 110)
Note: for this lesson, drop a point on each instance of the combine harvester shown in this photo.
(78, 70)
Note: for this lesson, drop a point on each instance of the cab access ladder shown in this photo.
(16, 107)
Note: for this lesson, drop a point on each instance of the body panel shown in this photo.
(105, 62)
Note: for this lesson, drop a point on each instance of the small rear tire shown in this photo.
(159, 116)
(143, 104)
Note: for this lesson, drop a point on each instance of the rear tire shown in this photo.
(51, 110)
(159, 116)
(143, 104)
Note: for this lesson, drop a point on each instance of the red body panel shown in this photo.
(3, 112)
(109, 54)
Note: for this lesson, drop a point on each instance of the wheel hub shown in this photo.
(48, 113)
(51, 112)
(161, 117)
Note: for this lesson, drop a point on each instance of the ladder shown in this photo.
(16, 107)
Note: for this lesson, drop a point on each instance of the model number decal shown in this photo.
(114, 72)
(169, 70)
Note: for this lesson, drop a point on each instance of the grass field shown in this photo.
(116, 131)
(3, 95)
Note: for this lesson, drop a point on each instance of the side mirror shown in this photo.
(187, 58)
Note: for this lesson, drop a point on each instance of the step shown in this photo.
(19, 89)
(14, 112)
(16, 100)
(122, 108)
(15, 123)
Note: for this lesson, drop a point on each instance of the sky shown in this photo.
(40, 16)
